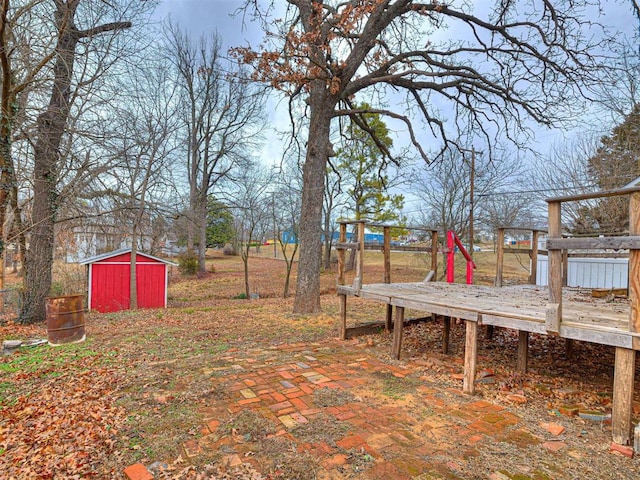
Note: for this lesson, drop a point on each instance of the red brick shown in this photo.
(137, 471)
(278, 397)
(247, 401)
(299, 404)
(249, 383)
(352, 441)
(213, 425)
(285, 374)
(554, 445)
(296, 394)
(552, 428)
(280, 406)
(622, 449)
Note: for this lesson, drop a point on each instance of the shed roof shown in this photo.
(121, 251)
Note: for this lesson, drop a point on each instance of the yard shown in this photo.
(221, 387)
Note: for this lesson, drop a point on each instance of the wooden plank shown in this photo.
(343, 317)
(500, 258)
(357, 281)
(341, 265)
(446, 330)
(523, 351)
(623, 395)
(514, 323)
(565, 268)
(470, 357)
(434, 253)
(388, 318)
(533, 274)
(588, 196)
(594, 243)
(397, 333)
(386, 251)
(634, 265)
(348, 246)
(553, 314)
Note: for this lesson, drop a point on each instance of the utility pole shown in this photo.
(472, 179)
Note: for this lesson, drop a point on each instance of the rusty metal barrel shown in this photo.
(65, 319)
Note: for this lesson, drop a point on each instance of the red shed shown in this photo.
(109, 276)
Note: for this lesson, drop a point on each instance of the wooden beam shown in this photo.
(500, 258)
(386, 251)
(343, 317)
(523, 351)
(595, 243)
(397, 333)
(446, 330)
(470, 356)
(589, 196)
(554, 308)
(565, 268)
(533, 275)
(434, 253)
(634, 265)
(342, 239)
(346, 246)
(388, 319)
(623, 395)
(357, 281)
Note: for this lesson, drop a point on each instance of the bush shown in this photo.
(229, 250)
(188, 263)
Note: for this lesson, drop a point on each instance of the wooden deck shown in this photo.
(521, 307)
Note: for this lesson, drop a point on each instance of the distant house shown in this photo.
(109, 280)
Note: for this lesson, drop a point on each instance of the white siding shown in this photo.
(590, 272)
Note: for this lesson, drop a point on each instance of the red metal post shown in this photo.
(451, 252)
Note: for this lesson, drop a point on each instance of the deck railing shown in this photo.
(558, 246)
(452, 242)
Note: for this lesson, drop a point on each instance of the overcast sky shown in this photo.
(203, 16)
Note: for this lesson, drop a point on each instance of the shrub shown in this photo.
(188, 263)
(229, 250)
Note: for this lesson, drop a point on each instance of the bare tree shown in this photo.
(252, 210)
(93, 28)
(222, 116)
(493, 69)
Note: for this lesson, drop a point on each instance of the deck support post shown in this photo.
(523, 351)
(397, 333)
(470, 356)
(533, 273)
(554, 307)
(500, 258)
(343, 317)
(568, 348)
(489, 332)
(446, 330)
(388, 319)
(623, 395)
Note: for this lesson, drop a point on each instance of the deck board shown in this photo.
(521, 307)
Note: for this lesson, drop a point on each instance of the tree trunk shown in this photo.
(51, 127)
(133, 272)
(202, 237)
(308, 282)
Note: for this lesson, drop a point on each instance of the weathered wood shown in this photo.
(588, 196)
(396, 248)
(594, 243)
(553, 316)
(357, 281)
(533, 274)
(434, 253)
(554, 309)
(523, 351)
(343, 317)
(446, 330)
(634, 265)
(565, 268)
(388, 319)
(470, 357)
(430, 276)
(347, 246)
(605, 292)
(623, 395)
(397, 333)
(342, 238)
(500, 258)
(386, 251)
